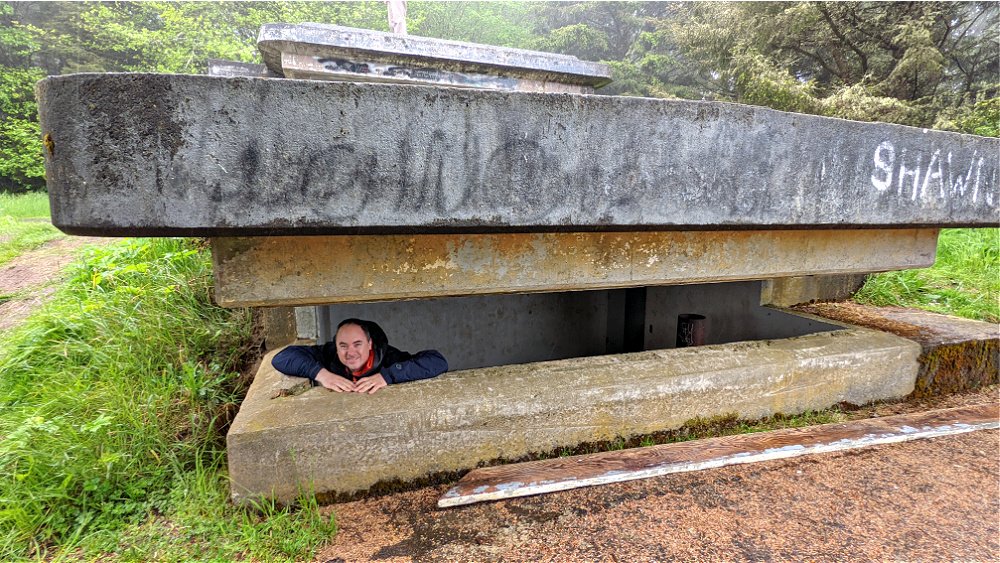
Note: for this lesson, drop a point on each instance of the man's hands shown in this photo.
(370, 384)
(334, 382)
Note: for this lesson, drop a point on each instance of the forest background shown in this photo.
(925, 64)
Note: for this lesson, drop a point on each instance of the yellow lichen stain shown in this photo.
(50, 145)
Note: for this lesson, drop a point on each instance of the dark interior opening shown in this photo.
(490, 330)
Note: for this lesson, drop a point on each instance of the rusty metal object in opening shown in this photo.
(690, 330)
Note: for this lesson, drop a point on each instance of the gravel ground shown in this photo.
(928, 500)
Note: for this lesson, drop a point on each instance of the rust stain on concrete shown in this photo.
(254, 271)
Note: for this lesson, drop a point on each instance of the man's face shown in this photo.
(353, 347)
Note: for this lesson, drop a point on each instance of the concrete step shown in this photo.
(330, 52)
(288, 438)
(562, 474)
(956, 354)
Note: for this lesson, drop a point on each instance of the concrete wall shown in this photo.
(493, 330)
(733, 314)
(344, 442)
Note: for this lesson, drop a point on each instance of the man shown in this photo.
(359, 360)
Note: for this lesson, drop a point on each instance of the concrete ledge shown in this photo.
(340, 443)
(786, 292)
(956, 354)
(341, 269)
(156, 154)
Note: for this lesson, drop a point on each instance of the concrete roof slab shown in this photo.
(256, 271)
(331, 42)
(160, 154)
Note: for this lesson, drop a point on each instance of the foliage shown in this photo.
(112, 399)
(964, 281)
(20, 139)
(17, 237)
(983, 120)
(24, 206)
(491, 23)
(927, 64)
(892, 61)
(633, 38)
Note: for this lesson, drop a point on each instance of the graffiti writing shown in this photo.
(938, 175)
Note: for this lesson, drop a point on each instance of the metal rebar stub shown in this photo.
(330, 52)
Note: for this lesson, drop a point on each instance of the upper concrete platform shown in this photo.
(157, 154)
(313, 50)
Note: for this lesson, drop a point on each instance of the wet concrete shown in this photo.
(287, 436)
(253, 271)
(156, 155)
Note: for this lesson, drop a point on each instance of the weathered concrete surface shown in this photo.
(330, 52)
(956, 354)
(147, 154)
(222, 67)
(279, 327)
(347, 442)
(253, 271)
(786, 292)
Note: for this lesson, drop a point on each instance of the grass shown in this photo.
(17, 235)
(965, 280)
(114, 400)
(32, 205)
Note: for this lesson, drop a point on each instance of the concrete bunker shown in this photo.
(496, 330)
(484, 202)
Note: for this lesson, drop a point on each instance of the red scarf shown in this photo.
(368, 365)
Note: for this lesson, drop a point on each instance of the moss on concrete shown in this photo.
(952, 368)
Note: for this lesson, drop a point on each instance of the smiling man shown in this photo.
(359, 360)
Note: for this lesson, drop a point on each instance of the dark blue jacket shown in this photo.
(394, 365)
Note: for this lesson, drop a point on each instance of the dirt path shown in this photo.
(927, 500)
(27, 280)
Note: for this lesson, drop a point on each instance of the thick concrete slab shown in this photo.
(330, 52)
(956, 355)
(148, 154)
(222, 67)
(786, 292)
(282, 442)
(253, 271)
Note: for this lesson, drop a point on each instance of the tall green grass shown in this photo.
(24, 206)
(112, 403)
(17, 235)
(964, 281)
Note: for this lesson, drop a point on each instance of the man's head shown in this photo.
(354, 344)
